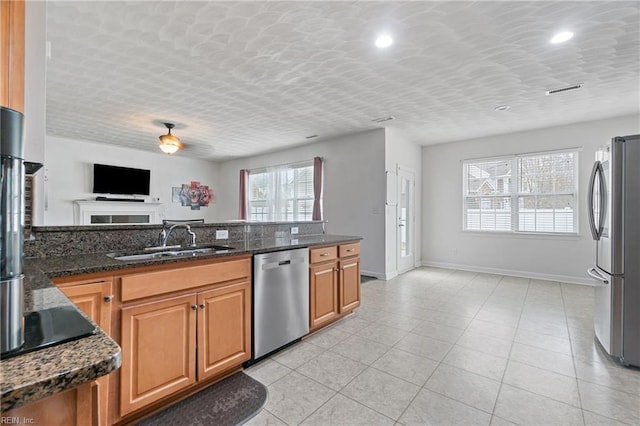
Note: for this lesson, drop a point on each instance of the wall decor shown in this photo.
(192, 195)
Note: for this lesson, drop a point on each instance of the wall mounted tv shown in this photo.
(120, 180)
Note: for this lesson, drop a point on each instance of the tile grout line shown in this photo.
(575, 370)
(434, 370)
(524, 301)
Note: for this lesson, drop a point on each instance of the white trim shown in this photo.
(513, 273)
(380, 276)
(84, 209)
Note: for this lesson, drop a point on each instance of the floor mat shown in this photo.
(229, 402)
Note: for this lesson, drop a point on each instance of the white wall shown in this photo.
(556, 258)
(35, 77)
(69, 173)
(400, 151)
(353, 198)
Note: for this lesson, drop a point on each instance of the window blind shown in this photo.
(281, 193)
(534, 193)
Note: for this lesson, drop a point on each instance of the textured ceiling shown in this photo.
(240, 78)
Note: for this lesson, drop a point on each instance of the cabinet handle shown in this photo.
(194, 307)
(324, 254)
(350, 250)
(108, 298)
(202, 306)
(337, 269)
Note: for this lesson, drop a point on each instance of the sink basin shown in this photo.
(186, 252)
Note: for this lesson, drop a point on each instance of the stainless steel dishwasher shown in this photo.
(280, 299)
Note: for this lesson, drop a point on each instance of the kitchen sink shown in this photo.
(183, 252)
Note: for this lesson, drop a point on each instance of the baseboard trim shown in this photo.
(511, 272)
(384, 276)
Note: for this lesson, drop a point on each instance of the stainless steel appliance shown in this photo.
(11, 229)
(614, 218)
(280, 299)
(20, 333)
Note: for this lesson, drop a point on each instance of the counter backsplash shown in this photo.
(74, 240)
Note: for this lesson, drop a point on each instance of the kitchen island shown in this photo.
(36, 375)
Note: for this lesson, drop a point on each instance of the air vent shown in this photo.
(564, 89)
(383, 119)
(311, 137)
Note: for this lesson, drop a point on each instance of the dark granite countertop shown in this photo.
(33, 376)
(60, 266)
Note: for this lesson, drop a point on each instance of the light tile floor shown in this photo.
(444, 347)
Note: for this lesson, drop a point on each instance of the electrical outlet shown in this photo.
(294, 241)
(222, 234)
(294, 230)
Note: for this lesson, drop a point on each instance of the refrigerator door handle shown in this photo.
(596, 230)
(596, 275)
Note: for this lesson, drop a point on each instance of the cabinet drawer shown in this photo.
(323, 254)
(148, 284)
(347, 250)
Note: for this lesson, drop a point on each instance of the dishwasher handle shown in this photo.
(284, 262)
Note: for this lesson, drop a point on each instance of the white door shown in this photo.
(406, 212)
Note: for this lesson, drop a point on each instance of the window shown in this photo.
(281, 193)
(523, 193)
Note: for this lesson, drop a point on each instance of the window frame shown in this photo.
(514, 193)
(271, 202)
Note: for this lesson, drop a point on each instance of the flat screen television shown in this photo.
(120, 180)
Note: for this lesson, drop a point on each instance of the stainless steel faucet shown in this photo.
(164, 234)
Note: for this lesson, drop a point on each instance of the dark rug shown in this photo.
(364, 278)
(230, 402)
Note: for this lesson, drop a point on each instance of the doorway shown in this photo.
(406, 213)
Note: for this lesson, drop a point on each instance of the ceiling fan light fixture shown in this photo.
(170, 144)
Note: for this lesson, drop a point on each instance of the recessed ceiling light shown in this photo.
(384, 40)
(502, 107)
(561, 37)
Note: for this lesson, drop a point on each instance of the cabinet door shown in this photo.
(323, 293)
(224, 328)
(158, 350)
(349, 284)
(70, 407)
(94, 299)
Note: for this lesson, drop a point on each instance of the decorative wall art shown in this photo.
(192, 195)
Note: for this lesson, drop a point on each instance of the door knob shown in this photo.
(202, 306)
(108, 298)
(194, 307)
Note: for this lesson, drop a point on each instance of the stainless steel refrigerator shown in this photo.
(614, 217)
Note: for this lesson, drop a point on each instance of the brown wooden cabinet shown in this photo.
(12, 48)
(87, 403)
(183, 325)
(158, 350)
(224, 328)
(71, 407)
(323, 293)
(94, 298)
(334, 283)
(349, 284)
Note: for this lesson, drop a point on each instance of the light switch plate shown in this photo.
(294, 230)
(222, 235)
